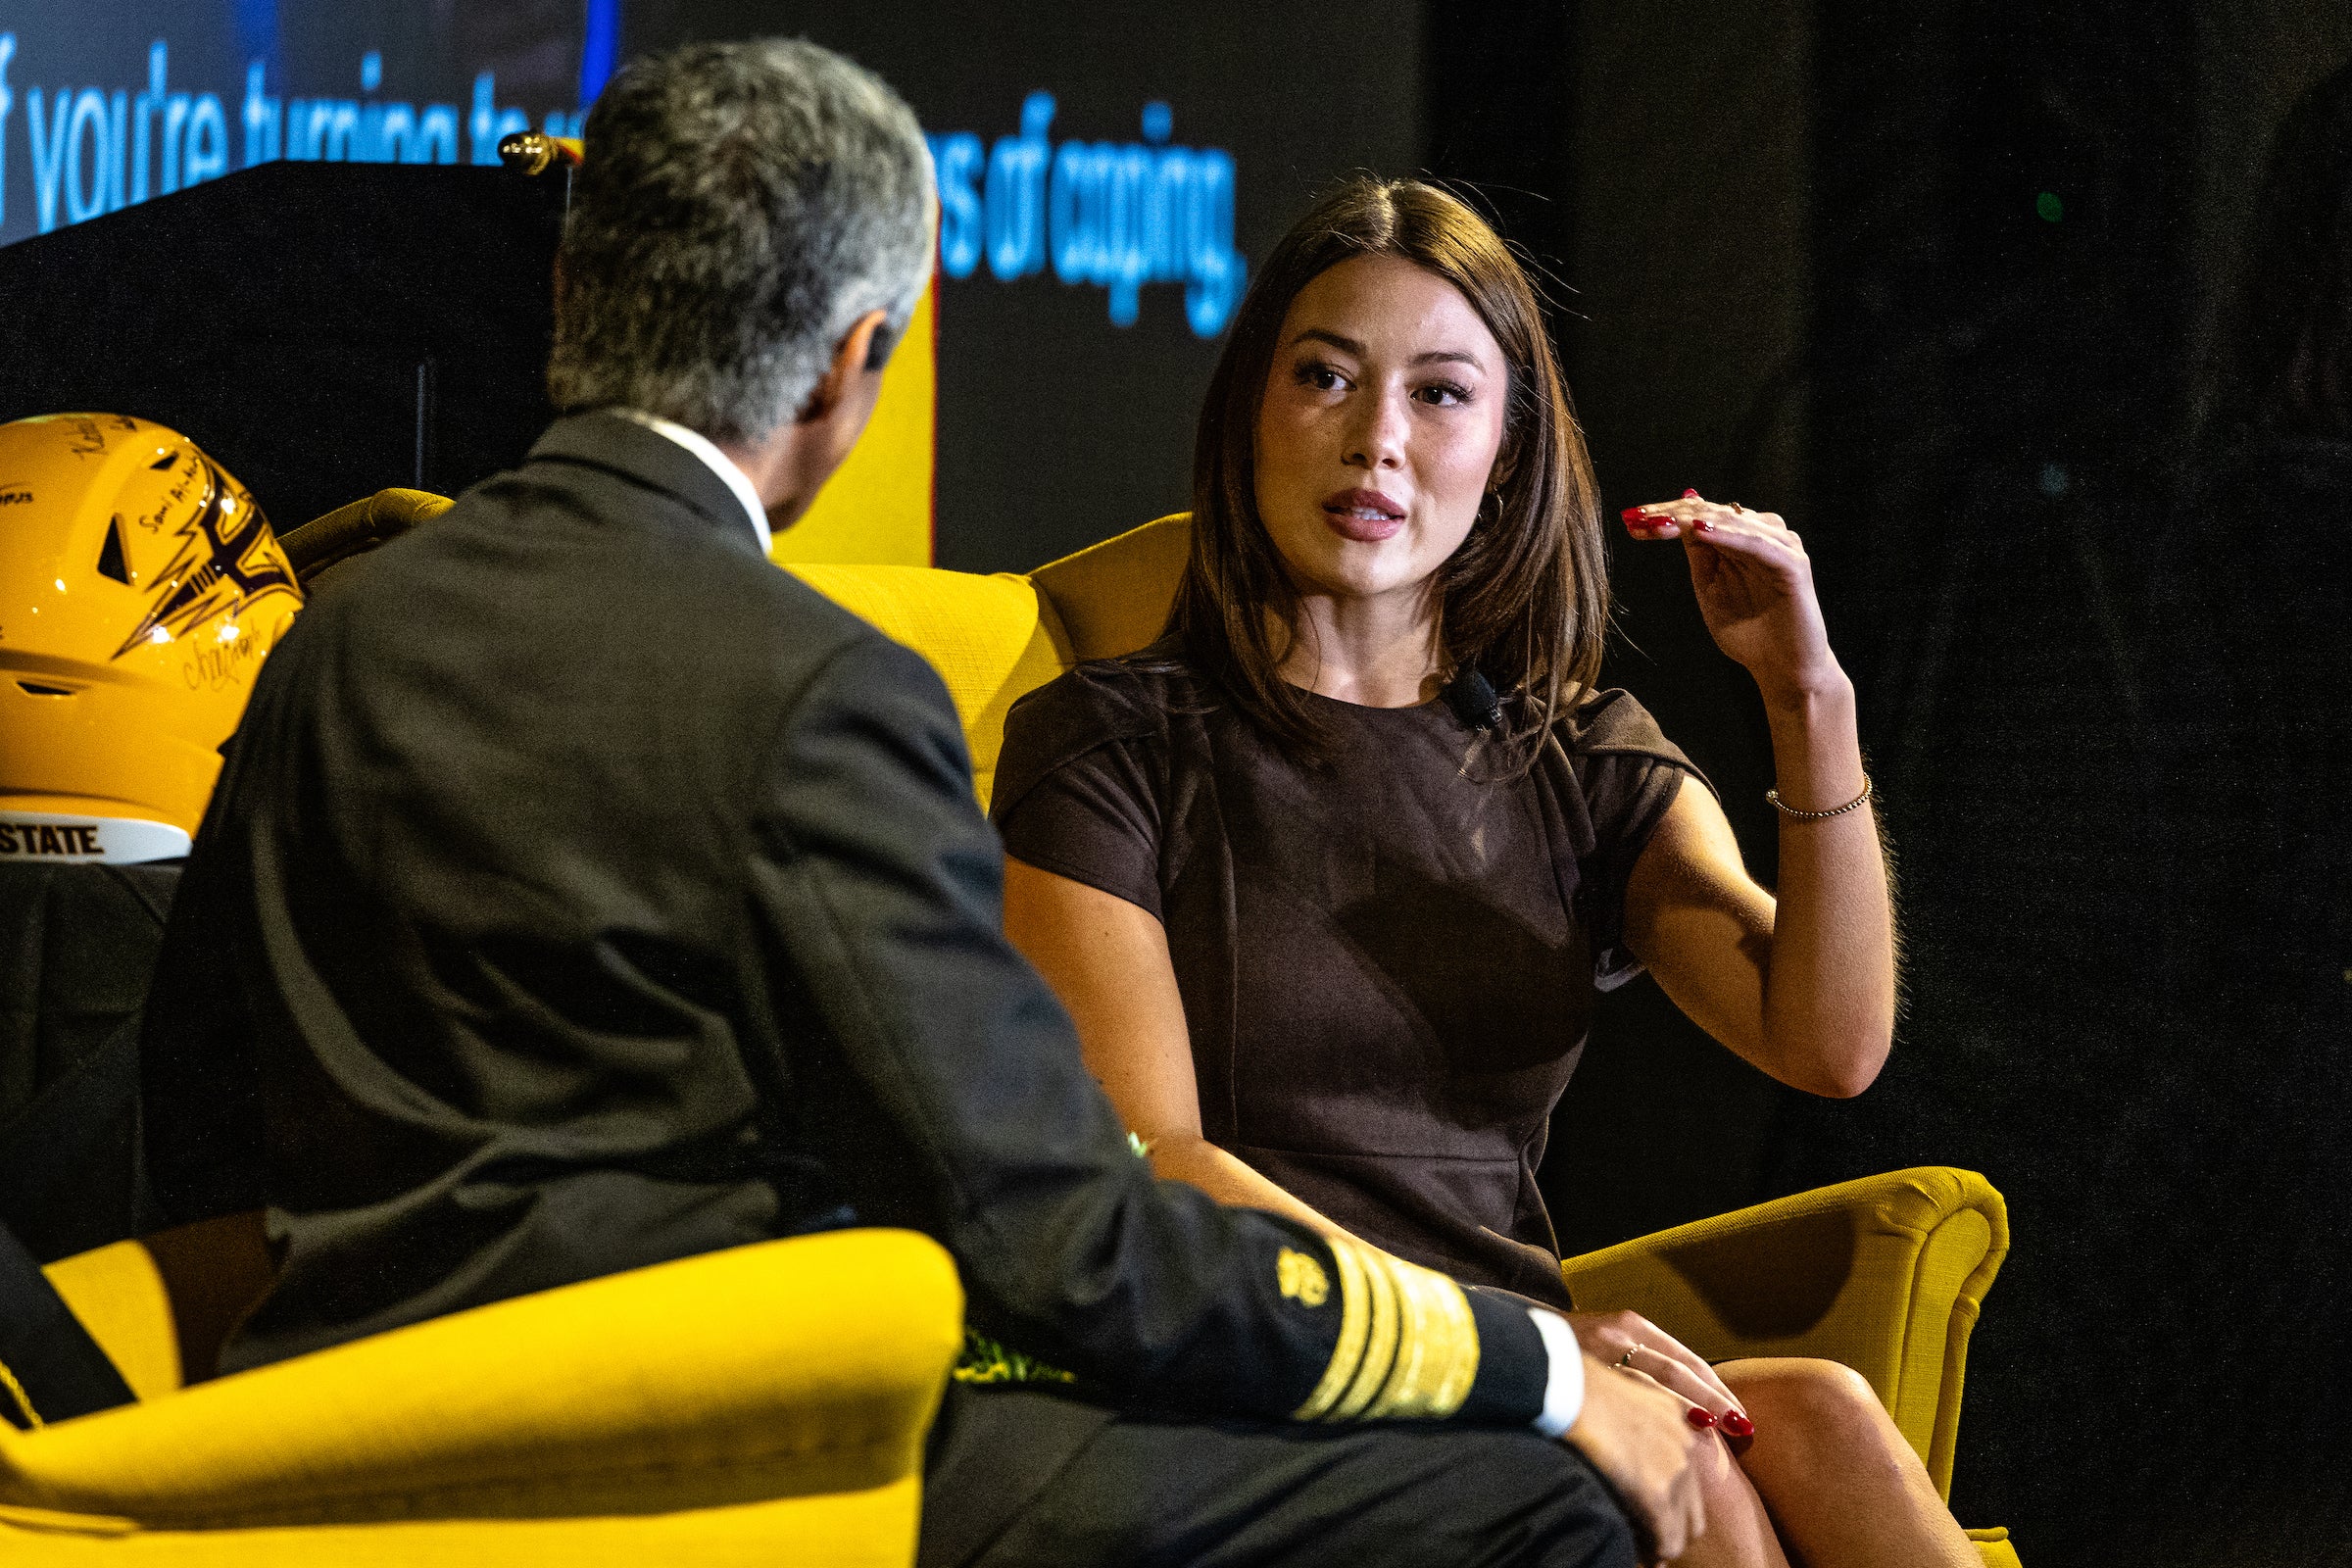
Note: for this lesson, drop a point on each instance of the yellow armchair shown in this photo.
(749, 1406)
(1885, 1275)
(773, 1400)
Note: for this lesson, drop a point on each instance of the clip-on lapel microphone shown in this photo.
(1472, 698)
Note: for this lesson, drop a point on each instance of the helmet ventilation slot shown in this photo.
(37, 689)
(111, 560)
(165, 462)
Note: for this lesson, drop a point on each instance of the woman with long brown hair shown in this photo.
(1329, 875)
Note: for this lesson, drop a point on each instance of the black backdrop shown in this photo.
(405, 350)
(1814, 269)
(1999, 410)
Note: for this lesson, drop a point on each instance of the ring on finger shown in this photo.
(1627, 1359)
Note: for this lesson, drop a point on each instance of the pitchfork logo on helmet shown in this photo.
(227, 557)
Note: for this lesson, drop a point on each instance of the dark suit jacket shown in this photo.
(582, 892)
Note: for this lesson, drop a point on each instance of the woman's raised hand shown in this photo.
(1756, 588)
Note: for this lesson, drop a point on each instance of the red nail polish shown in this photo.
(1690, 495)
(1736, 1425)
(1702, 525)
(1633, 515)
(1698, 1419)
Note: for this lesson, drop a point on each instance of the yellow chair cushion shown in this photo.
(1113, 597)
(782, 1370)
(873, 1528)
(1992, 1546)
(992, 638)
(118, 1295)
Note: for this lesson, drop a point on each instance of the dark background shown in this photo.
(1797, 256)
(1809, 271)
(432, 336)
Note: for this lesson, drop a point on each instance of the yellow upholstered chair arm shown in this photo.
(160, 1307)
(1885, 1275)
(119, 1298)
(1113, 597)
(992, 638)
(778, 1371)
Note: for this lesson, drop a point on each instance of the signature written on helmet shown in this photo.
(108, 751)
(214, 667)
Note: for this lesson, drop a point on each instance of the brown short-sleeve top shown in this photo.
(1386, 962)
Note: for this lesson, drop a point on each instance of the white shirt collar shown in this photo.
(715, 460)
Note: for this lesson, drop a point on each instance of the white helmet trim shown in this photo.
(54, 838)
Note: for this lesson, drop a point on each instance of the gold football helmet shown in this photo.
(141, 589)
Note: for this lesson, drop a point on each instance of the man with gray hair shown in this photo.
(581, 893)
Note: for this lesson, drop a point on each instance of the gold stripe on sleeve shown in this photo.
(1349, 1354)
(1380, 1339)
(1437, 1353)
(1408, 1348)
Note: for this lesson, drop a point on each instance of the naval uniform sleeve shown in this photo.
(881, 883)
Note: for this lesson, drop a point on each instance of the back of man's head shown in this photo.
(741, 206)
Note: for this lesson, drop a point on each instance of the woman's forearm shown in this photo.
(1828, 994)
(1230, 1179)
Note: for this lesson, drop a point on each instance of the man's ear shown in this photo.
(854, 356)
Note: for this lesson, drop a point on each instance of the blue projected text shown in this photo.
(1117, 216)
(95, 150)
(1113, 216)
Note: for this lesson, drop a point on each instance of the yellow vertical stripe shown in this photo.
(1349, 1354)
(1436, 1358)
(1380, 1340)
(876, 511)
(1407, 1346)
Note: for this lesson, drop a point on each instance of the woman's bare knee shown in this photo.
(1803, 1386)
(1818, 1409)
(1840, 1478)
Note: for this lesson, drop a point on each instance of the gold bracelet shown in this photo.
(1773, 796)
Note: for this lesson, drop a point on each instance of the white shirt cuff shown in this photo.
(1564, 1390)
